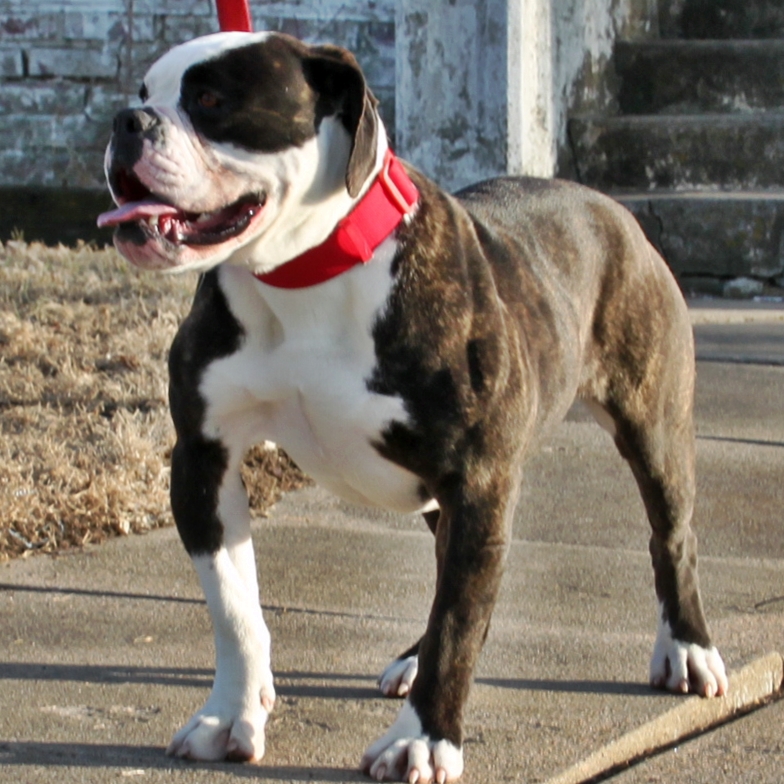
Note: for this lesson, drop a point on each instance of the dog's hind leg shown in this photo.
(661, 457)
(646, 404)
(398, 676)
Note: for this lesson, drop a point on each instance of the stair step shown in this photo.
(643, 152)
(727, 234)
(721, 18)
(694, 77)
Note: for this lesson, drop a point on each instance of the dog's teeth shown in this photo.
(204, 216)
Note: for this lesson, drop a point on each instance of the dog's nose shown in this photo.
(134, 122)
(132, 127)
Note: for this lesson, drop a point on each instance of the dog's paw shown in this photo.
(683, 667)
(216, 733)
(398, 677)
(405, 753)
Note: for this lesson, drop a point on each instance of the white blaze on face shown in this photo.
(183, 168)
(164, 78)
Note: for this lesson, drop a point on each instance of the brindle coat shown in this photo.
(501, 305)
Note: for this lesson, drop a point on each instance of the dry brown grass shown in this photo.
(85, 434)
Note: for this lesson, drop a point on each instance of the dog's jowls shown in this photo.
(419, 380)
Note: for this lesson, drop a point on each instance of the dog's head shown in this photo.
(247, 147)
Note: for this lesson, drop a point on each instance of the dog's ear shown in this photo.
(337, 78)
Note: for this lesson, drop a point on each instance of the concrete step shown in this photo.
(714, 235)
(721, 18)
(646, 152)
(695, 77)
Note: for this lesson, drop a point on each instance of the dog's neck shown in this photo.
(379, 211)
(313, 205)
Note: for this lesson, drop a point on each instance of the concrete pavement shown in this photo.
(104, 653)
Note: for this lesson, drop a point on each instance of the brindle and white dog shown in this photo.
(417, 374)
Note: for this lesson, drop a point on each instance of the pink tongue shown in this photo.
(135, 210)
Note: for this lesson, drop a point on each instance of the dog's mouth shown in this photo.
(140, 208)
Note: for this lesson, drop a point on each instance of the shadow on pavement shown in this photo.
(139, 757)
(158, 676)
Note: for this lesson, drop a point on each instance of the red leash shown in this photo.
(234, 16)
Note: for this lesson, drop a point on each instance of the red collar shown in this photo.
(356, 237)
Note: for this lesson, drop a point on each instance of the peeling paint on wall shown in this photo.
(584, 36)
(451, 88)
(485, 87)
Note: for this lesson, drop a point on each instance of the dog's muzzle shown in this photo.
(144, 217)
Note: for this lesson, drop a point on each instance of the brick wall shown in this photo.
(66, 67)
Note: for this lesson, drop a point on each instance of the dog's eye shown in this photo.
(208, 100)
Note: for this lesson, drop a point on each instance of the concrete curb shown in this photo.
(702, 314)
(748, 687)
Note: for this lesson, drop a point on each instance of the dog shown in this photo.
(408, 349)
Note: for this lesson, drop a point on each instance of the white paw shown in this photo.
(231, 723)
(398, 677)
(218, 733)
(683, 667)
(405, 753)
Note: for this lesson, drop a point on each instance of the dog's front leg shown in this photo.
(211, 510)
(425, 742)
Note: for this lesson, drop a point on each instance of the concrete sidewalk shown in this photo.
(104, 653)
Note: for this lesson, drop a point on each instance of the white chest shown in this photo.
(299, 379)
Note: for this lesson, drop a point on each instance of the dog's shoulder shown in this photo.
(210, 329)
(208, 332)
(485, 241)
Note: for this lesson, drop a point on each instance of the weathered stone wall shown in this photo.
(452, 88)
(66, 67)
(485, 86)
(583, 39)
